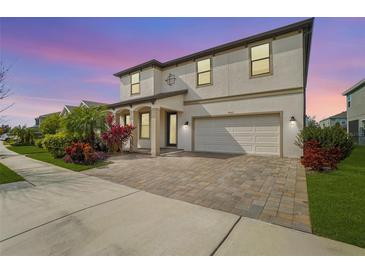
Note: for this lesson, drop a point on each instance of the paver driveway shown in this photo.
(271, 189)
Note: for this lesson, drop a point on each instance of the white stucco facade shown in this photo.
(233, 91)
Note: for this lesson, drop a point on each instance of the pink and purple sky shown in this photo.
(58, 61)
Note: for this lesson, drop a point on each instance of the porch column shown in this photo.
(155, 131)
(117, 117)
(133, 145)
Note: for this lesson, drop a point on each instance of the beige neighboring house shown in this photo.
(355, 102)
(340, 118)
(246, 96)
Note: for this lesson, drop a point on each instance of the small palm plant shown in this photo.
(85, 123)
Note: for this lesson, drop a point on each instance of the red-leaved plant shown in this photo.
(116, 135)
(82, 153)
(319, 158)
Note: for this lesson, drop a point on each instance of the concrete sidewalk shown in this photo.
(68, 213)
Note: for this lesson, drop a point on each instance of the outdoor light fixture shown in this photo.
(186, 124)
(292, 120)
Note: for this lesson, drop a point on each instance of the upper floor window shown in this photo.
(204, 72)
(145, 125)
(260, 60)
(135, 83)
(349, 100)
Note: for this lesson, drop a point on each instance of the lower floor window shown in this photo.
(145, 125)
(127, 119)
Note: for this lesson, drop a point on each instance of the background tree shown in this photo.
(86, 123)
(25, 136)
(311, 121)
(5, 128)
(51, 124)
(4, 90)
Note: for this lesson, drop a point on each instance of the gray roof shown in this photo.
(340, 115)
(354, 87)
(93, 103)
(70, 108)
(152, 98)
(48, 114)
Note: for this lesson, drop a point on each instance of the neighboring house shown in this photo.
(91, 104)
(355, 102)
(40, 118)
(67, 109)
(246, 96)
(340, 118)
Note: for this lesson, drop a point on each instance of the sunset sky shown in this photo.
(58, 61)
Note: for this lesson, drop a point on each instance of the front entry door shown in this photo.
(171, 128)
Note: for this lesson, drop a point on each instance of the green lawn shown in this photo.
(47, 157)
(337, 200)
(8, 176)
(42, 155)
(26, 149)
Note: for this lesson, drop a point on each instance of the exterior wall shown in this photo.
(325, 123)
(230, 77)
(231, 73)
(357, 109)
(290, 105)
(146, 85)
(333, 121)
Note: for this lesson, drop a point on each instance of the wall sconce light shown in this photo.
(292, 120)
(186, 124)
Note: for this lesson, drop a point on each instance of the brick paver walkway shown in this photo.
(271, 189)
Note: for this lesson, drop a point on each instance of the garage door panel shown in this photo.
(266, 150)
(258, 134)
(267, 139)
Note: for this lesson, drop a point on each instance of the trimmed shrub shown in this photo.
(328, 138)
(56, 143)
(38, 143)
(324, 148)
(319, 158)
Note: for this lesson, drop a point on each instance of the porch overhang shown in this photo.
(169, 100)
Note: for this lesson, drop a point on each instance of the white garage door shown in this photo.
(258, 134)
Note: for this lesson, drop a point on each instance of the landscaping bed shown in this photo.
(8, 176)
(337, 200)
(44, 156)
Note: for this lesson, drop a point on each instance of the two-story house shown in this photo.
(355, 103)
(337, 119)
(246, 96)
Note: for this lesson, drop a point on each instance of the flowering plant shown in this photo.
(116, 135)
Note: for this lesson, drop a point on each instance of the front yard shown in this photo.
(8, 176)
(44, 156)
(337, 200)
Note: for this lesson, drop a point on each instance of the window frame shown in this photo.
(210, 70)
(132, 84)
(252, 61)
(149, 125)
